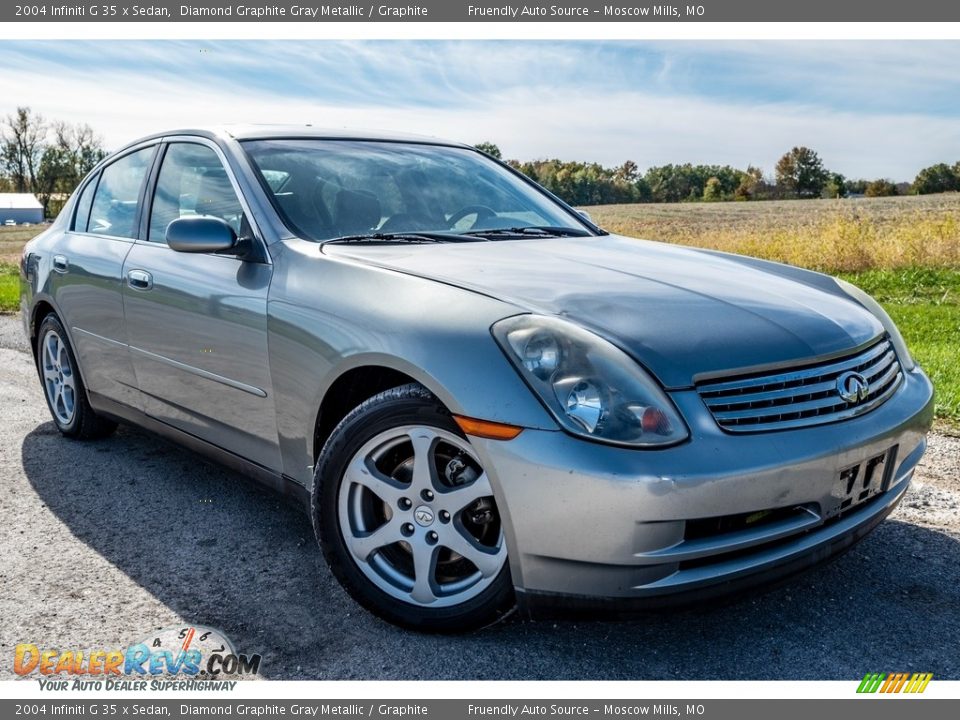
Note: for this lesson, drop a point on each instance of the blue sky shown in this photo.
(870, 108)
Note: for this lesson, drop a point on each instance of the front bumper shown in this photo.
(587, 524)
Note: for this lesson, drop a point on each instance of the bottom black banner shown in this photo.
(875, 707)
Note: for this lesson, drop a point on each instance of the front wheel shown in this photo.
(407, 519)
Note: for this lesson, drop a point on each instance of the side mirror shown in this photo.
(200, 234)
(585, 215)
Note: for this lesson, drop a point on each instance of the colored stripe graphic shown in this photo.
(922, 680)
(894, 682)
(871, 682)
(898, 683)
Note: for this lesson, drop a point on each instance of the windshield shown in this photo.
(330, 189)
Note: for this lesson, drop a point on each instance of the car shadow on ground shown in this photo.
(222, 552)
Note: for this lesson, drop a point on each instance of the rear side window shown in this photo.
(193, 182)
(117, 198)
(83, 206)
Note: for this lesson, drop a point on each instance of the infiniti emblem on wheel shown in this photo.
(853, 387)
(424, 516)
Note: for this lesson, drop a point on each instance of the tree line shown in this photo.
(48, 159)
(798, 174)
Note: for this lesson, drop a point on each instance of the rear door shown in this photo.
(197, 322)
(87, 278)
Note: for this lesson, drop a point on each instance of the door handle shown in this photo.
(140, 279)
(60, 263)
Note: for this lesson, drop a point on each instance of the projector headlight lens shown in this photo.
(590, 386)
(541, 355)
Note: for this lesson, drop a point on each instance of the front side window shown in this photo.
(326, 189)
(117, 197)
(193, 182)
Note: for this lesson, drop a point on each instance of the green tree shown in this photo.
(490, 149)
(712, 191)
(751, 180)
(22, 137)
(937, 179)
(857, 187)
(628, 172)
(836, 186)
(74, 151)
(880, 188)
(582, 183)
(687, 182)
(800, 172)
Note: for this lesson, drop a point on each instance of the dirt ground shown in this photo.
(101, 543)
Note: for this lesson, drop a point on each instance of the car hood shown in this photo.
(680, 312)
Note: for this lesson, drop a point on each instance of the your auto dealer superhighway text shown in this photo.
(306, 12)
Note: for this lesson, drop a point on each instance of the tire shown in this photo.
(390, 526)
(63, 386)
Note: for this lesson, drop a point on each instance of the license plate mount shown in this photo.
(857, 483)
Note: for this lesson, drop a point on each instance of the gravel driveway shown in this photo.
(102, 542)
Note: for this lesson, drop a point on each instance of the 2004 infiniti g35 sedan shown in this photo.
(484, 398)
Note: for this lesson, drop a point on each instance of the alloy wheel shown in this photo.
(59, 381)
(418, 517)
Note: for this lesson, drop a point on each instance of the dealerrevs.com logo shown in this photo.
(190, 653)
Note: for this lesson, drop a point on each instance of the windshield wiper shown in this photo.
(410, 237)
(531, 231)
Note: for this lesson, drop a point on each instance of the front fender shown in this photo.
(327, 316)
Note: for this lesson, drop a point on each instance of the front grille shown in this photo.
(802, 396)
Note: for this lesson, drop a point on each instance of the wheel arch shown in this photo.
(41, 308)
(350, 388)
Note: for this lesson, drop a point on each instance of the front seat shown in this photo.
(356, 212)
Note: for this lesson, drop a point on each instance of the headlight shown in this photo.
(591, 387)
(873, 307)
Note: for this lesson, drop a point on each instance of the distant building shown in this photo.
(21, 208)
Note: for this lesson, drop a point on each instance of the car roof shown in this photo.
(290, 132)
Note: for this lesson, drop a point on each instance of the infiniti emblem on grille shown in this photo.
(852, 387)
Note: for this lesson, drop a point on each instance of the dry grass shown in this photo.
(905, 251)
(12, 240)
(828, 235)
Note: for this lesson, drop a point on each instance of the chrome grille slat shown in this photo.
(803, 397)
(788, 393)
(793, 408)
(884, 379)
(879, 367)
(832, 367)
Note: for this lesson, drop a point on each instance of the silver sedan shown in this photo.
(482, 398)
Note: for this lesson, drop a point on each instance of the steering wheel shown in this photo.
(481, 211)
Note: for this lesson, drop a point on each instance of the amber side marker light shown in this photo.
(487, 429)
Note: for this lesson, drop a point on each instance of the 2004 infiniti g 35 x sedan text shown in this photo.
(484, 397)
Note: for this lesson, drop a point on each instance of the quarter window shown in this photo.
(83, 206)
(193, 182)
(117, 198)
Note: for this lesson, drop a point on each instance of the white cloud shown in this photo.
(539, 112)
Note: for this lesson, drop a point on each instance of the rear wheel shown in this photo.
(63, 387)
(407, 518)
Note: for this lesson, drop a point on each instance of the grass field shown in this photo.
(904, 251)
(9, 287)
(827, 235)
(12, 240)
